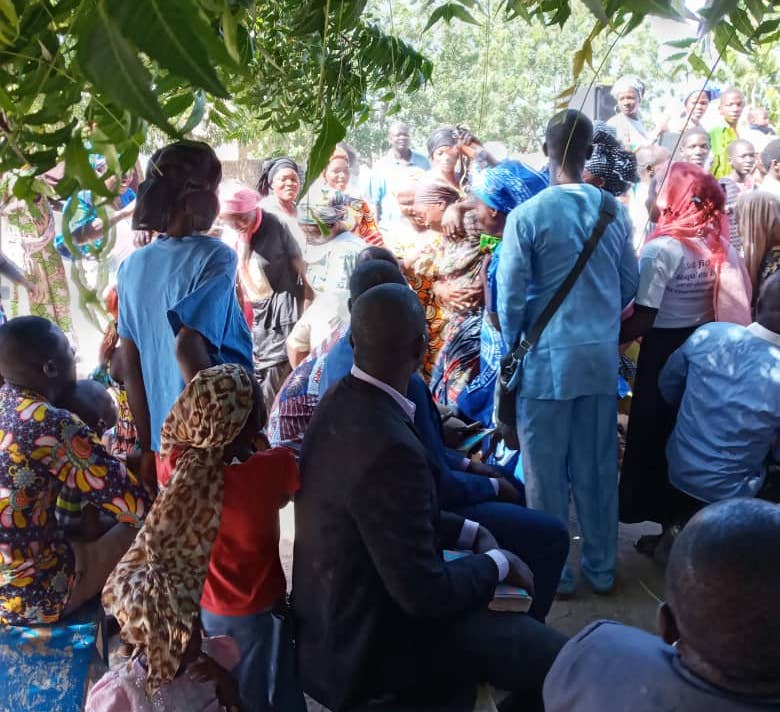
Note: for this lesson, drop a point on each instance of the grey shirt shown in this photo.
(615, 668)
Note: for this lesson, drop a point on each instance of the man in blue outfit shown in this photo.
(726, 379)
(566, 402)
(394, 174)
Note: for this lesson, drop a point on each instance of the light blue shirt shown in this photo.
(726, 379)
(176, 282)
(390, 174)
(577, 354)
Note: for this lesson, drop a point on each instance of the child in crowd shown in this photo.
(120, 440)
(695, 147)
(91, 402)
(203, 683)
(245, 591)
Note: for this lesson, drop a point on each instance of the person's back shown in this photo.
(610, 666)
(724, 378)
(577, 353)
(245, 572)
(46, 451)
(566, 395)
(174, 283)
(719, 628)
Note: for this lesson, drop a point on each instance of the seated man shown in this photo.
(725, 378)
(43, 576)
(467, 488)
(719, 627)
(379, 613)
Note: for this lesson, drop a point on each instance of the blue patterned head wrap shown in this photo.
(505, 186)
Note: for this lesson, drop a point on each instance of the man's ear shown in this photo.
(50, 369)
(544, 150)
(667, 625)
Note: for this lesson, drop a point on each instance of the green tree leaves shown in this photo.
(171, 32)
(113, 66)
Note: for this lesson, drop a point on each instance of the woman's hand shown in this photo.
(452, 221)
(457, 298)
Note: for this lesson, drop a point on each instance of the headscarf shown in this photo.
(695, 88)
(181, 176)
(758, 218)
(445, 136)
(505, 186)
(236, 198)
(154, 591)
(628, 81)
(433, 191)
(611, 161)
(692, 208)
(269, 170)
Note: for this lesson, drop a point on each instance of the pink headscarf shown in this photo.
(692, 205)
(236, 198)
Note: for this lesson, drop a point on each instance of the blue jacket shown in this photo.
(456, 488)
(577, 354)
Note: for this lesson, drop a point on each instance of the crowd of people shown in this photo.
(355, 349)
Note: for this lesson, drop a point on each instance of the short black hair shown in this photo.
(736, 143)
(569, 136)
(723, 587)
(386, 320)
(91, 402)
(372, 273)
(374, 252)
(771, 153)
(694, 131)
(26, 342)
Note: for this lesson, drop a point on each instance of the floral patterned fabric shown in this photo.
(43, 451)
(456, 262)
(43, 263)
(155, 590)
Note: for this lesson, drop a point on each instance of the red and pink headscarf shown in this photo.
(692, 208)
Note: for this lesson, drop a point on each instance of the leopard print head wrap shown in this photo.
(155, 590)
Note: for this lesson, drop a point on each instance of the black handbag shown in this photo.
(511, 370)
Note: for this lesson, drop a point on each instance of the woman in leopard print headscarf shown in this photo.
(155, 590)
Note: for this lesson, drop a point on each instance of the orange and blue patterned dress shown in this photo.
(43, 451)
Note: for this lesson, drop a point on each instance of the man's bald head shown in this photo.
(723, 585)
(569, 138)
(388, 331)
(371, 274)
(768, 305)
(35, 354)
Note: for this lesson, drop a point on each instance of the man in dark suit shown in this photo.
(379, 613)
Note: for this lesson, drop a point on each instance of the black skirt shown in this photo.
(645, 491)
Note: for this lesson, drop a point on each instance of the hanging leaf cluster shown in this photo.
(89, 76)
(727, 25)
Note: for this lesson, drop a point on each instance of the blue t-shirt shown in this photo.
(609, 666)
(176, 282)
